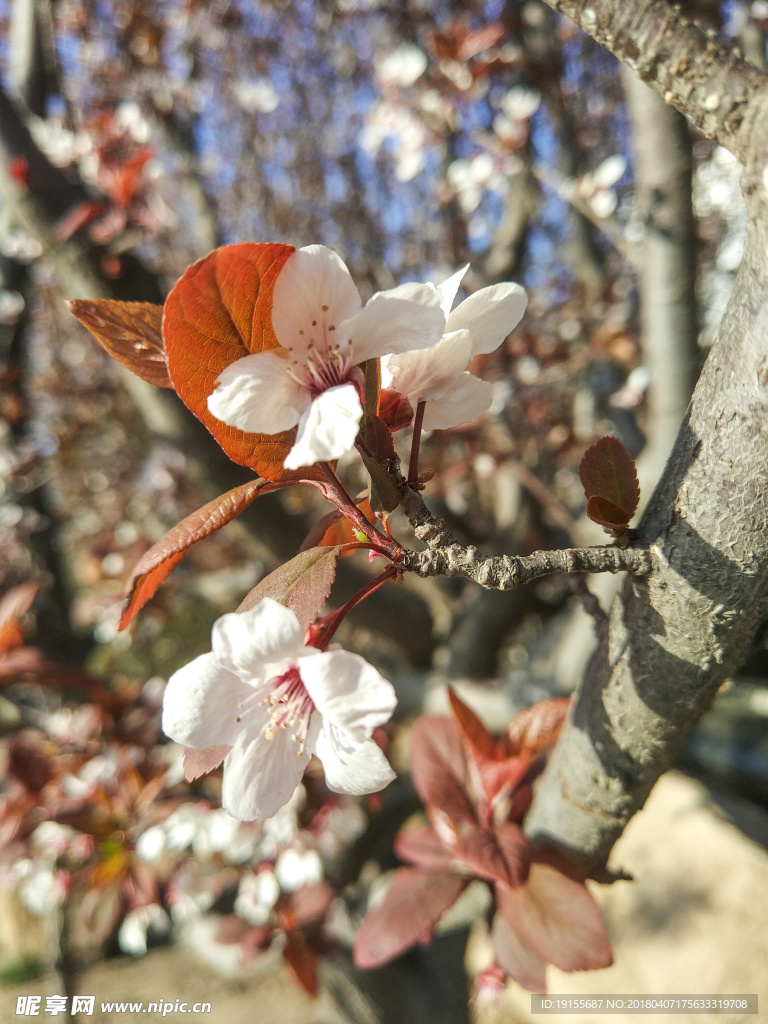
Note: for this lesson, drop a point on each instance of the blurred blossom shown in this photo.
(520, 103)
(256, 895)
(297, 868)
(141, 925)
(403, 66)
(256, 95)
(404, 132)
(51, 839)
(41, 888)
(150, 845)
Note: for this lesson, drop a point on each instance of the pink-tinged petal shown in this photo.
(558, 919)
(200, 703)
(397, 320)
(520, 962)
(348, 692)
(489, 315)
(351, 767)
(313, 292)
(449, 288)
(257, 395)
(427, 373)
(468, 398)
(261, 775)
(409, 912)
(328, 428)
(259, 643)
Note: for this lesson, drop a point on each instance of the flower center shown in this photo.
(323, 363)
(289, 707)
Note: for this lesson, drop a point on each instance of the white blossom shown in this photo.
(276, 702)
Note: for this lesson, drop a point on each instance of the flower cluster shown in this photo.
(313, 379)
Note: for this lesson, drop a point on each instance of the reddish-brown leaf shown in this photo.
(155, 564)
(302, 584)
(339, 529)
(130, 332)
(500, 854)
(537, 727)
(307, 904)
(13, 605)
(303, 961)
(200, 761)
(439, 768)
(413, 905)
(423, 848)
(472, 729)
(607, 514)
(519, 961)
(608, 471)
(219, 311)
(557, 918)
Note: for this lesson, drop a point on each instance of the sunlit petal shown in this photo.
(417, 374)
(199, 706)
(449, 288)
(313, 292)
(328, 428)
(348, 692)
(396, 320)
(256, 394)
(261, 774)
(489, 315)
(469, 398)
(259, 642)
(354, 768)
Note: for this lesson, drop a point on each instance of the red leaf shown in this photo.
(303, 961)
(607, 514)
(307, 904)
(472, 729)
(302, 584)
(155, 564)
(537, 727)
(13, 605)
(557, 918)
(608, 471)
(519, 961)
(200, 761)
(500, 854)
(129, 332)
(424, 848)
(219, 311)
(413, 905)
(440, 771)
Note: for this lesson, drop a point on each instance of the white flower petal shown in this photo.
(396, 320)
(348, 692)
(354, 768)
(449, 288)
(328, 428)
(260, 775)
(259, 643)
(469, 398)
(489, 315)
(256, 394)
(314, 282)
(200, 703)
(417, 374)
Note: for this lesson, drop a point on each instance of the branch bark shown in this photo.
(676, 635)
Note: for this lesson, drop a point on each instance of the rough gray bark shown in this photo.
(675, 636)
